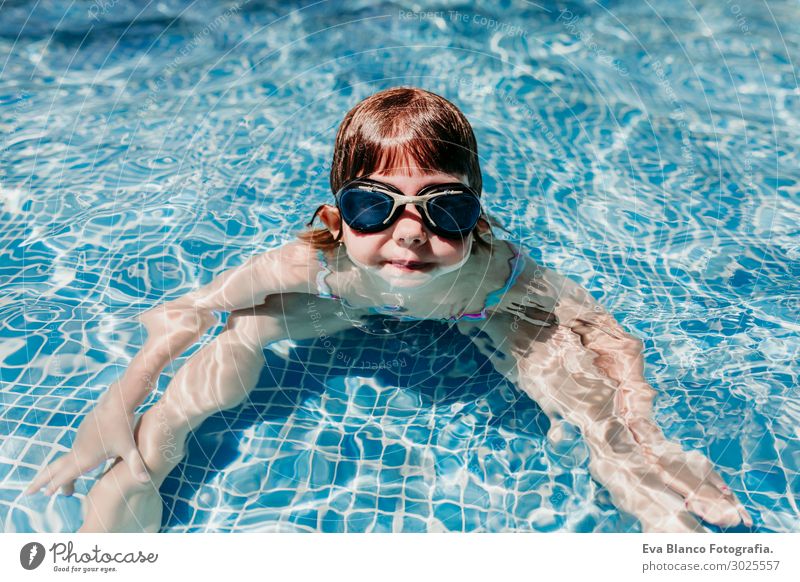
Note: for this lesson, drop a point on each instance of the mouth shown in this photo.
(410, 265)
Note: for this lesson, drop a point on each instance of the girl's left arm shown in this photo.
(619, 355)
(615, 352)
(580, 365)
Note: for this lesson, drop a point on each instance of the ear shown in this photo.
(331, 218)
(483, 225)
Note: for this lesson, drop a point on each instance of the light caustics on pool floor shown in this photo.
(654, 162)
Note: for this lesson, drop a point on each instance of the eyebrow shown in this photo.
(445, 179)
(419, 188)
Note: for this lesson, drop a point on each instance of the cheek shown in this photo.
(362, 245)
(453, 251)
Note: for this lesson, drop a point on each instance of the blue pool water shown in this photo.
(647, 150)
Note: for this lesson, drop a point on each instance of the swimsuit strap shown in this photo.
(517, 264)
(323, 290)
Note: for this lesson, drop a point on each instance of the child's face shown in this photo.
(406, 254)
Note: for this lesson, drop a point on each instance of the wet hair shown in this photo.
(395, 129)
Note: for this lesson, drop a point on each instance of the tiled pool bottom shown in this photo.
(403, 427)
(371, 437)
(407, 431)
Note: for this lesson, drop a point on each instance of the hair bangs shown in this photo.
(403, 129)
(409, 156)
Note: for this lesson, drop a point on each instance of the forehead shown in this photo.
(406, 168)
(405, 172)
(413, 182)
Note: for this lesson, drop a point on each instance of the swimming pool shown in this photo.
(649, 152)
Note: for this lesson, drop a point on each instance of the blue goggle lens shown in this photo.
(365, 210)
(455, 213)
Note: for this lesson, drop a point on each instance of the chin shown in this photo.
(407, 278)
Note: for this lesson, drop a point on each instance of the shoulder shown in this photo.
(291, 254)
(296, 264)
(525, 277)
(547, 294)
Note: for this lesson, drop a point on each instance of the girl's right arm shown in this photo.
(172, 327)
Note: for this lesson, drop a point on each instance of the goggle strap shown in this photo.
(310, 222)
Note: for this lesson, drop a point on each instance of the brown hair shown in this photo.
(392, 128)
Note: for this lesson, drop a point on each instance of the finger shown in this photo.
(137, 466)
(69, 488)
(56, 480)
(45, 475)
(52, 488)
(38, 481)
(746, 518)
(713, 510)
(83, 464)
(65, 479)
(716, 478)
(66, 472)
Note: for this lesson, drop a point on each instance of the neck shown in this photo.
(400, 286)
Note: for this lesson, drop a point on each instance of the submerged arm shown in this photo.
(107, 431)
(576, 361)
(620, 357)
(548, 364)
(174, 326)
(617, 353)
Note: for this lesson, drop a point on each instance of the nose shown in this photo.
(409, 230)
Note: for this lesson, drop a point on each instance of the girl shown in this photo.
(405, 238)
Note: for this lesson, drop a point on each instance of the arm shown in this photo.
(174, 326)
(572, 357)
(619, 355)
(614, 352)
(107, 430)
(548, 364)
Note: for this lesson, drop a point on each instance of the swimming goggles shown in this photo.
(450, 210)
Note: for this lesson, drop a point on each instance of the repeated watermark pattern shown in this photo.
(572, 23)
(101, 8)
(679, 115)
(151, 101)
(455, 16)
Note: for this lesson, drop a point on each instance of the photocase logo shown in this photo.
(31, 555)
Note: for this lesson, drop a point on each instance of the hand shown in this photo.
(106, 432)
(118, 503)
(692, 475)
